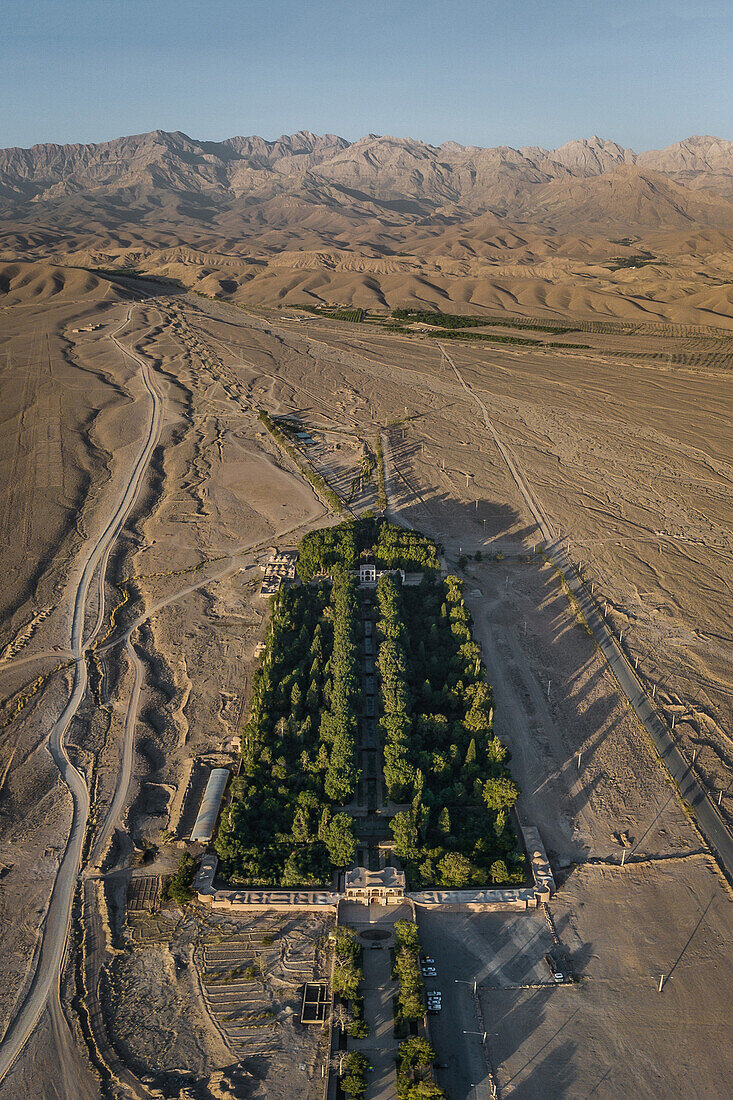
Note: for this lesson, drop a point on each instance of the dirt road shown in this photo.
(125, 773)
(50, 956)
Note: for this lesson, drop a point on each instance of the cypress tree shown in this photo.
(444, 821)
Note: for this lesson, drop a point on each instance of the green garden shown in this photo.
(446, 777)
(367, 538)
(441, 756)
(298, 754)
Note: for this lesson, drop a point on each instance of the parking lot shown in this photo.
(499, 951)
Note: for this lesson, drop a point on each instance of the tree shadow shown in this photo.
(433, 509)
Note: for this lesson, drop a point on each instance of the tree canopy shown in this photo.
(298, 745)
(441, 756)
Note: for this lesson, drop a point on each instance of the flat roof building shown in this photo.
(385, 887)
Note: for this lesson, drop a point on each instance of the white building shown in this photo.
(385, 887)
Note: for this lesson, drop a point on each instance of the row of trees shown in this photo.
(395, 722)
(347, 977)
(283, 826)
(407, 971)
(414, 1058)
(347, 973)
(338, 725)
(342, 546)
(381, 485)
(440, 752)
(321, 486)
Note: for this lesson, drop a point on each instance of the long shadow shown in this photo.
(485, 519)
(550, 1076)
(691, 936)
(549, 1071)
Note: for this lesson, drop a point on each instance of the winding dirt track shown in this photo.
(50, 955)
(125, 773)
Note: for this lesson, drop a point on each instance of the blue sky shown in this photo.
(482, 72)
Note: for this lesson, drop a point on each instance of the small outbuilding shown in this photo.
(315, 1003)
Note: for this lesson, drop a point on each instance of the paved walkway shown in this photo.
(378, 989)
(381, 1046)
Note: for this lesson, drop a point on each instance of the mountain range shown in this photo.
(397, 174)
(245, 210)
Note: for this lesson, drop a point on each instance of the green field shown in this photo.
(356, 316)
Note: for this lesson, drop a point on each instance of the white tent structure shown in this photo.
(210, 804)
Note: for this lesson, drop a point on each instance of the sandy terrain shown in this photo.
(590, 230)
(626, 446)
(181, 1007)
(613, 1033)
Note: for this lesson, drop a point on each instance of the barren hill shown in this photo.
(399, 220)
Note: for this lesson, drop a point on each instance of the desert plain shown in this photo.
(142, 496)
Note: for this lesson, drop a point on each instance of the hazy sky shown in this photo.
(644, 73)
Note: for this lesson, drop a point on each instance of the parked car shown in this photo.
(556, 971)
